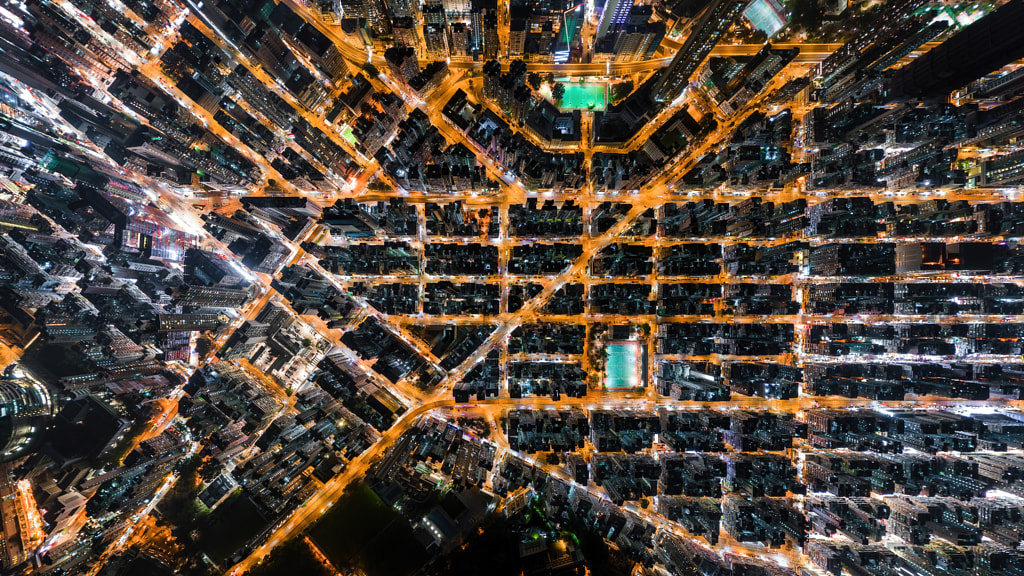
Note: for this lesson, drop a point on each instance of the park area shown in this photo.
(229, 527)
(362, 531)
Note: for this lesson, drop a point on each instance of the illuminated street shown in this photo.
(434, 288)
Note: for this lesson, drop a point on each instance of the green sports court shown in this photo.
(585, 97)
(622, 365)
(580, 96)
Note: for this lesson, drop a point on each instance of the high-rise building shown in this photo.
(403, 31)
(883, 26)
(349, 219)
(520, 103)
(281, 208)
(1003, 169)
(616, 13)
(374, 11)
(637, 42)
(986, 45)
(490, 42)
(191, 295)
(457, 7)
(492, 74)
(327, 10)
(709, 29)
(211, 269)
(517, 38)
(188, 322)
(460, 40)
(403, 8)
(435, 41)
(483, 19)
(476, 23)
(639, 14)
(402, 62)
(434, 14)
(25, 408)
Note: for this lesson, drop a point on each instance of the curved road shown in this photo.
(303, 517)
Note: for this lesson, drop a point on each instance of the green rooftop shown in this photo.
(349, 136)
